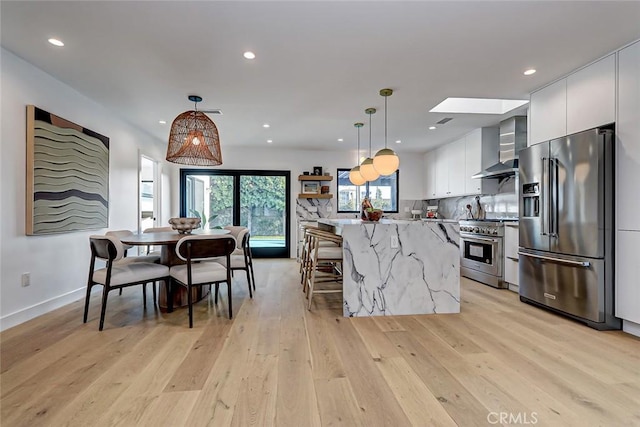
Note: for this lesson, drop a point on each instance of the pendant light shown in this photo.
(354, 175)
(194, 139)
(367, 170)
(386, 160)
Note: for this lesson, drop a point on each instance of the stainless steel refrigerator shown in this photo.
(566, 226)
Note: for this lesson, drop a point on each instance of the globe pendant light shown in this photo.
(194, 139)
(354, 175)
(367, 170)
(386, 160)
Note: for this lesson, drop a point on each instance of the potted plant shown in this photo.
(374, 214)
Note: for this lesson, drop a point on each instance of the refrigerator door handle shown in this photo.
(553, 197)
(558, 260)
(545, 204)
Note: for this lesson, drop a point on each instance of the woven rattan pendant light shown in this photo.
(194, 139)
(386, 160)
(367, 170)
(354, 174)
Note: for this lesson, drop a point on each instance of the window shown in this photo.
(383, 193)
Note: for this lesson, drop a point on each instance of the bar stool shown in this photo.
(306, 250)
(324, 263)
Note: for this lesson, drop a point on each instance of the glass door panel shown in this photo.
(263, 210)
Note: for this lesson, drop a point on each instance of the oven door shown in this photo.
(481, 254)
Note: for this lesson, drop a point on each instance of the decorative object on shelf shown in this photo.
(305, 173)
(366, 204)
(386, 160)
(374, 214)
(67, 175)
(354, 174)
(193, 139)
(324, 189)
(310, 188)
(317, 170)
(367, 170)
(184, 225)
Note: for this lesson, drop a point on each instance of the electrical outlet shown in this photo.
(329, 209)
(406, 208)
(26, 279)
(394, 241)
(312, 209)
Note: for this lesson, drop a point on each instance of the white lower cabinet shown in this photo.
(511, 243)
(627, 289)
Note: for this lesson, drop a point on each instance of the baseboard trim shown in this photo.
(631, 327)
(28, 313)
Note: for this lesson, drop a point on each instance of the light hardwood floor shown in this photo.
(276, 363)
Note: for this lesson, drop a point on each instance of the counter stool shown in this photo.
(324, 263)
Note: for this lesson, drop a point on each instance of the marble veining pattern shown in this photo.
(420, 276)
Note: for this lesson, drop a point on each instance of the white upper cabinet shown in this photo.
(456, 157)
(430, 175)
(591, 96)
(449, 181)
(628, 138)
(583, 100)
(548, 113)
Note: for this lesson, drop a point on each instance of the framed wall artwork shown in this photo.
(67, 175)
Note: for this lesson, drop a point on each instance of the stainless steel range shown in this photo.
(482, 252)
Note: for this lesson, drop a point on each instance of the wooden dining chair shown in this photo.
(324, 264)
(198, 251)
(116, 275)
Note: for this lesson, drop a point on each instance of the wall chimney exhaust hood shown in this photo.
(513, 138)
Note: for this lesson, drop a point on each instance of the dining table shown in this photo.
(167, 240)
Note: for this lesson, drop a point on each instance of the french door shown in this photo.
(258, 200)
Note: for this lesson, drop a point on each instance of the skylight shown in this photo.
(478, 105)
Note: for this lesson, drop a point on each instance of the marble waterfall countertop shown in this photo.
(395, 267)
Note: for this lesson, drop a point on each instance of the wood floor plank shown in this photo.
(417, 402)
(337, 403)
(169, 409)
(374, 396)
(374, 338)
(256, 404)
(325, 361)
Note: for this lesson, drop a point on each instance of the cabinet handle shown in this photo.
(513, 258)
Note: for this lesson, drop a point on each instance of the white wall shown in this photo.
(297, 161)
(58, 263)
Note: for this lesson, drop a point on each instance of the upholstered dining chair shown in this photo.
(117, 275)
(121, 234)
(156, 252)
(241, 258)
(196, 250)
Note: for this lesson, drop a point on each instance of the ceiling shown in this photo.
(318, 64)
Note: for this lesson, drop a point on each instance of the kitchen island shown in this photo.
(395, 267)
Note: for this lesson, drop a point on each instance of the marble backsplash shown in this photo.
(503, 204)
(310, 209)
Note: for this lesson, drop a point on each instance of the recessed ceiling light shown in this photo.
(266, 125)
(398, 142)
(162, 122)
(478, 105)
(432, 127)
(529, 72)
(56, 42)
(340, 139)
(249, 55)
(269, 141)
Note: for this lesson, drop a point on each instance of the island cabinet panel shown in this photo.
(591, 96)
